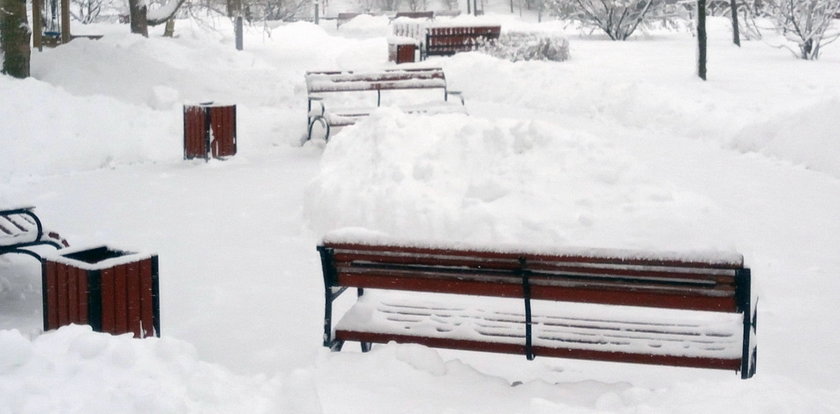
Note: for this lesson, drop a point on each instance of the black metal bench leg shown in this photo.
(366, 346)
(326, 128)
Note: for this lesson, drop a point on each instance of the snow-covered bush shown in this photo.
(806, 23)
(617, 18)
(517, 45)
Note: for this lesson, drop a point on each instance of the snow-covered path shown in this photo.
(619, 147)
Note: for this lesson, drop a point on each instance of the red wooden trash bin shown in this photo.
(209, 130)
(111, 290)
(401, 49)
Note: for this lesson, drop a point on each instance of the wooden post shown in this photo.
(65, 21)
(701, 39)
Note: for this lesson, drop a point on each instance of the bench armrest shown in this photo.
(320, 101)
(459, 94)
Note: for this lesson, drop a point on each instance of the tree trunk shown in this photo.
(137, 13)
(14, 38)
(701, 39)
(736, 33)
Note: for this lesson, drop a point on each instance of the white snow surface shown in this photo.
(621, 147)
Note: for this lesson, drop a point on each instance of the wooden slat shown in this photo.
(108, 306)
(132, 292)
(351, 249)
(52, 295)
(72, 294)
(120, 302)
(146, 298)
(321, 82)
(684, 299)
(507, 348)
(83, 295)
(61, 282)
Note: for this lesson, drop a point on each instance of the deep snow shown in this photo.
(620, 147)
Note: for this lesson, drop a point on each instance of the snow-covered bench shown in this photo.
(21, 229)
(319, 84)
(620, 306)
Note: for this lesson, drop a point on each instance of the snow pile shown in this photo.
(456, 177)
(74, 139)
(806, 136)
(365, 25)
(515, 46)
(76, 370)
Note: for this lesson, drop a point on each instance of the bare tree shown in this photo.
(14, 38)
(617, 18)
(806, 23)
(88, 10)
(277, 9)
(417, 5)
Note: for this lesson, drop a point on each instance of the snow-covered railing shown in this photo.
(619, 306)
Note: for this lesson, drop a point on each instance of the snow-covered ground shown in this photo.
(619, 147)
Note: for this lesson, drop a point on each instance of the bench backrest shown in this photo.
(721, 286)
(349, 81)
(21, 228)
(450, 40)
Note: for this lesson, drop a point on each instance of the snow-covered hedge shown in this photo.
(524, 45)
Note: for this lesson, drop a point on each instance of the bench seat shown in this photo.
(619, 334)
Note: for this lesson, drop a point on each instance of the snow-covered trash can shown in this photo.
(402, 49)
(209, 130)
(112, 290)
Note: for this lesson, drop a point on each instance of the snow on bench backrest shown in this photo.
(366, 81)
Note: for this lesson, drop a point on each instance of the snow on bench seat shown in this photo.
(498, 325)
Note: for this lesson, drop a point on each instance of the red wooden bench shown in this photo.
(664, 309)
(445, 41)
(321, 84)
(21, 229)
